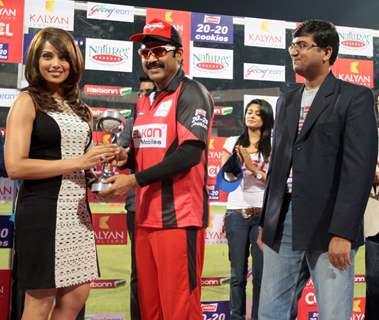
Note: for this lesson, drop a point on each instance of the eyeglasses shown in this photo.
(301, 46)
(158, 52)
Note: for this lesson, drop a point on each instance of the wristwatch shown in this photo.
(259, 175)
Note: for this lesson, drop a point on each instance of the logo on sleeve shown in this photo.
(152, 135)
(200, 119)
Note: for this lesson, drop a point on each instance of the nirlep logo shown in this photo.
(354, 67)
(49, 5)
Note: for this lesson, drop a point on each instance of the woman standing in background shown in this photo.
(245, 203)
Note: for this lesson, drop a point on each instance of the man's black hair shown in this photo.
(324, 34)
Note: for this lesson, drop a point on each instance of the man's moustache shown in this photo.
(154, 65)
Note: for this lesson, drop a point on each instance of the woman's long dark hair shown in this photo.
(264, 144)
(65, 44)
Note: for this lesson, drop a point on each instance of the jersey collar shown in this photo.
(175, 82)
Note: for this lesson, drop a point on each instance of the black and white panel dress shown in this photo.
(55, 243)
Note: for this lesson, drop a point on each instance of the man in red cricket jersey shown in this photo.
(169, 155)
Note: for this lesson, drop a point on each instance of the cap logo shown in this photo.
(152, 26)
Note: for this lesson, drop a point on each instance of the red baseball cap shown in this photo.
(160, 30)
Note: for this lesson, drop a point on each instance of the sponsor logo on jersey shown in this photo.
(152, 135)
(200, 119)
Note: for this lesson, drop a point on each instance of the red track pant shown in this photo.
(169, 266)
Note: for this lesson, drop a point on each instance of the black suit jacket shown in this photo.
(333, 161)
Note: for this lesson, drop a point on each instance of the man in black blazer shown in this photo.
(322, 166)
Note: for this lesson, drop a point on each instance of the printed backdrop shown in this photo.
(237, 58)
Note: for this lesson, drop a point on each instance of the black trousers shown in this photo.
(372, 278)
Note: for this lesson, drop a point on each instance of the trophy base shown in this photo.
(100, 186)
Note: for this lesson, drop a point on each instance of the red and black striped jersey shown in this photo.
(181, 113)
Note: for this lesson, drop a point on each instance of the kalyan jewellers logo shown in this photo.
(7, 13)
(266, 36)
(355, 75)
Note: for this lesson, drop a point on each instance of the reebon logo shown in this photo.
(90, 89)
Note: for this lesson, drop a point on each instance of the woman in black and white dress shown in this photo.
(48, 131)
